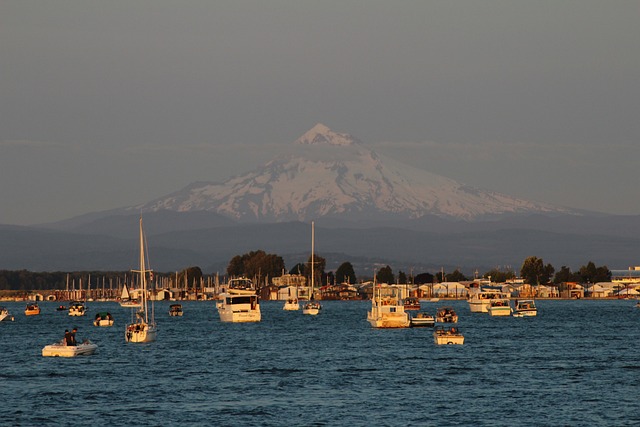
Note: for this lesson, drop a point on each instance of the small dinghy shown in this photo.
(60, 349)
(103, 319)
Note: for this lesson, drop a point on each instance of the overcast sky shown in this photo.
(105, 104)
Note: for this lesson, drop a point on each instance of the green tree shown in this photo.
(423, 278)
(385, 275)
(402, 277)
(257, 264)
(499, 276)
(535, 272)
(456, 276)
(345, 273)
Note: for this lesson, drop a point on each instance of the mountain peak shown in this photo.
(322, 135)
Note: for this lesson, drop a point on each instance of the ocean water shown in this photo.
(576, 364)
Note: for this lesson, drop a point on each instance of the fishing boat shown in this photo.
(525, 308)
(32, 309)
(411, 304)
(446, 315)
(447, 335)
(500, 307)
(103, 318)
(143, 328)
(61, 349)
(5, 315)
(422, 319)
(240, 303)
(312, 307)
(175, 310)
(127, 301)
(387, 311)
(77, 308)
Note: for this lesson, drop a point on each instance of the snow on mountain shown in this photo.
(333, 174)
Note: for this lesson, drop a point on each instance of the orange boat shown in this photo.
(32, 310)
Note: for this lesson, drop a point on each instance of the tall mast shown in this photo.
(143, 273)
(312, 256)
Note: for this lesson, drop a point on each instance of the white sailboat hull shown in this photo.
(140, 333)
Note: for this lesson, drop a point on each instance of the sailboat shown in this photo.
(126, 301)
(142, 329)
(312, 307)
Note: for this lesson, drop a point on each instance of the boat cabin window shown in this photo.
(240, 299)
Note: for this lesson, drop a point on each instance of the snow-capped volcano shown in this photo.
(334, 174)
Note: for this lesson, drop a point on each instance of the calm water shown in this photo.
(577, 363)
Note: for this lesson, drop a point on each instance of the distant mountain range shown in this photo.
(368, 209)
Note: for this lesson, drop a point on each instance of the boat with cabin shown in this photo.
(447, 335)
(479, 299)
(240, 303)
(144, 328)
(387, 311)
(77, 308)
(175, 310)
(291, 304)
(32, 309)
(500, 307)
(525, 308)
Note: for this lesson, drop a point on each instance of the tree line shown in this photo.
(264, 266)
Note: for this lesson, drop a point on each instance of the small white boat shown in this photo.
(77, 308)
(422, 319)
(480, 299)
(292, 304)
(446, 315)
(312, 308)
(127, 301)
(175, 310)
(525, 308)
(60, 349)
(5, 315)
(239, 304)
(412, 304)
(445, 336)
(500, 307)
(103, 319)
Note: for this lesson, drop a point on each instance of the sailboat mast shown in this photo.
(143, 274)
(312, 256)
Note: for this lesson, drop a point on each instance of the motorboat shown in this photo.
(500, 307)
(77, 308)
(480, 299)
(525, 308)
(387, 311)
(312, 307)
(411, 304)
(61, 349)
(5, 316)
(143, 329)
(446, 315)
(103, 318)
(32, 310)
(61, 308)
(240, 303)
(447, 335)
(422, 319)
(175, 310)
(291, 304)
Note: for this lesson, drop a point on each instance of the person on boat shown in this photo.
(67, 337)
(73, 336)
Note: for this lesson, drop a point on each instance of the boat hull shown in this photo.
(291, 306)
(525, 313)
(140, 333)
(499, 311)
(61, 350)
(389, 320)
(448, 339)
(103, 322)
(422, 322)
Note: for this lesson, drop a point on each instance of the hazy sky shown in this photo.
(106, 104)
